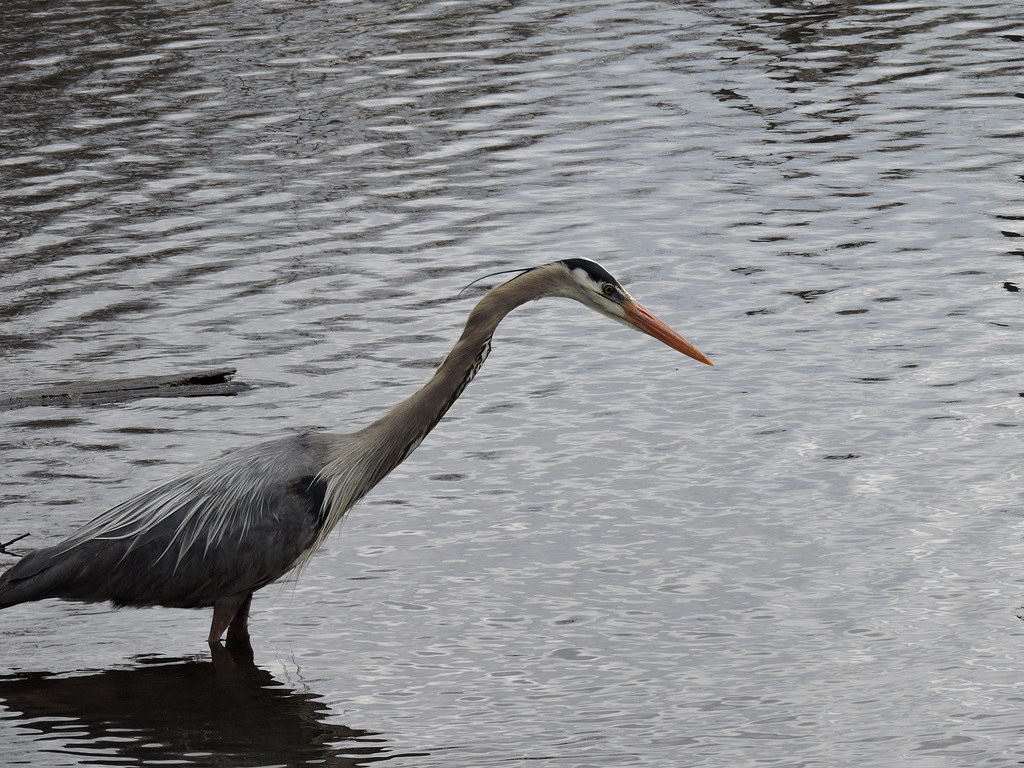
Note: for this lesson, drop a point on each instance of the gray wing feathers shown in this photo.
(238, 524)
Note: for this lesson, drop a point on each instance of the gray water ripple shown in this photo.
(605, 555)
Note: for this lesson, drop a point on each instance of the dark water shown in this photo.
(170, 711)
(607, 555)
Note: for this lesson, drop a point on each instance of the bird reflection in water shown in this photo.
(185, 711)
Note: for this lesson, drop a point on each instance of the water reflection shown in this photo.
(206, 713)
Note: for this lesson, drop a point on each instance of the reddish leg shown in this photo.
(226, 613)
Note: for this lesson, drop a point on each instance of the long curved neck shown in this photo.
(359, 461)
(405, 425)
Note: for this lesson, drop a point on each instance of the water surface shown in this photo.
(606, 555)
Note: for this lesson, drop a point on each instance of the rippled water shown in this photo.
(607, 555)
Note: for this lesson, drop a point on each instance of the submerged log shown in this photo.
(210, 383)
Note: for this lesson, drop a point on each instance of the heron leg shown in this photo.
(238, 629)
(224, 613)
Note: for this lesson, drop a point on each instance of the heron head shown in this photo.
(592, 285)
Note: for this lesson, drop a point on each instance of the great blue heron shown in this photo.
(215, 535)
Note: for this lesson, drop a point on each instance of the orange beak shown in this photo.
(652, 326)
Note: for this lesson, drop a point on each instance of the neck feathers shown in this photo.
(363, 460)
(413, 418)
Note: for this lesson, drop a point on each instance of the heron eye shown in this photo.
(609, 289)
